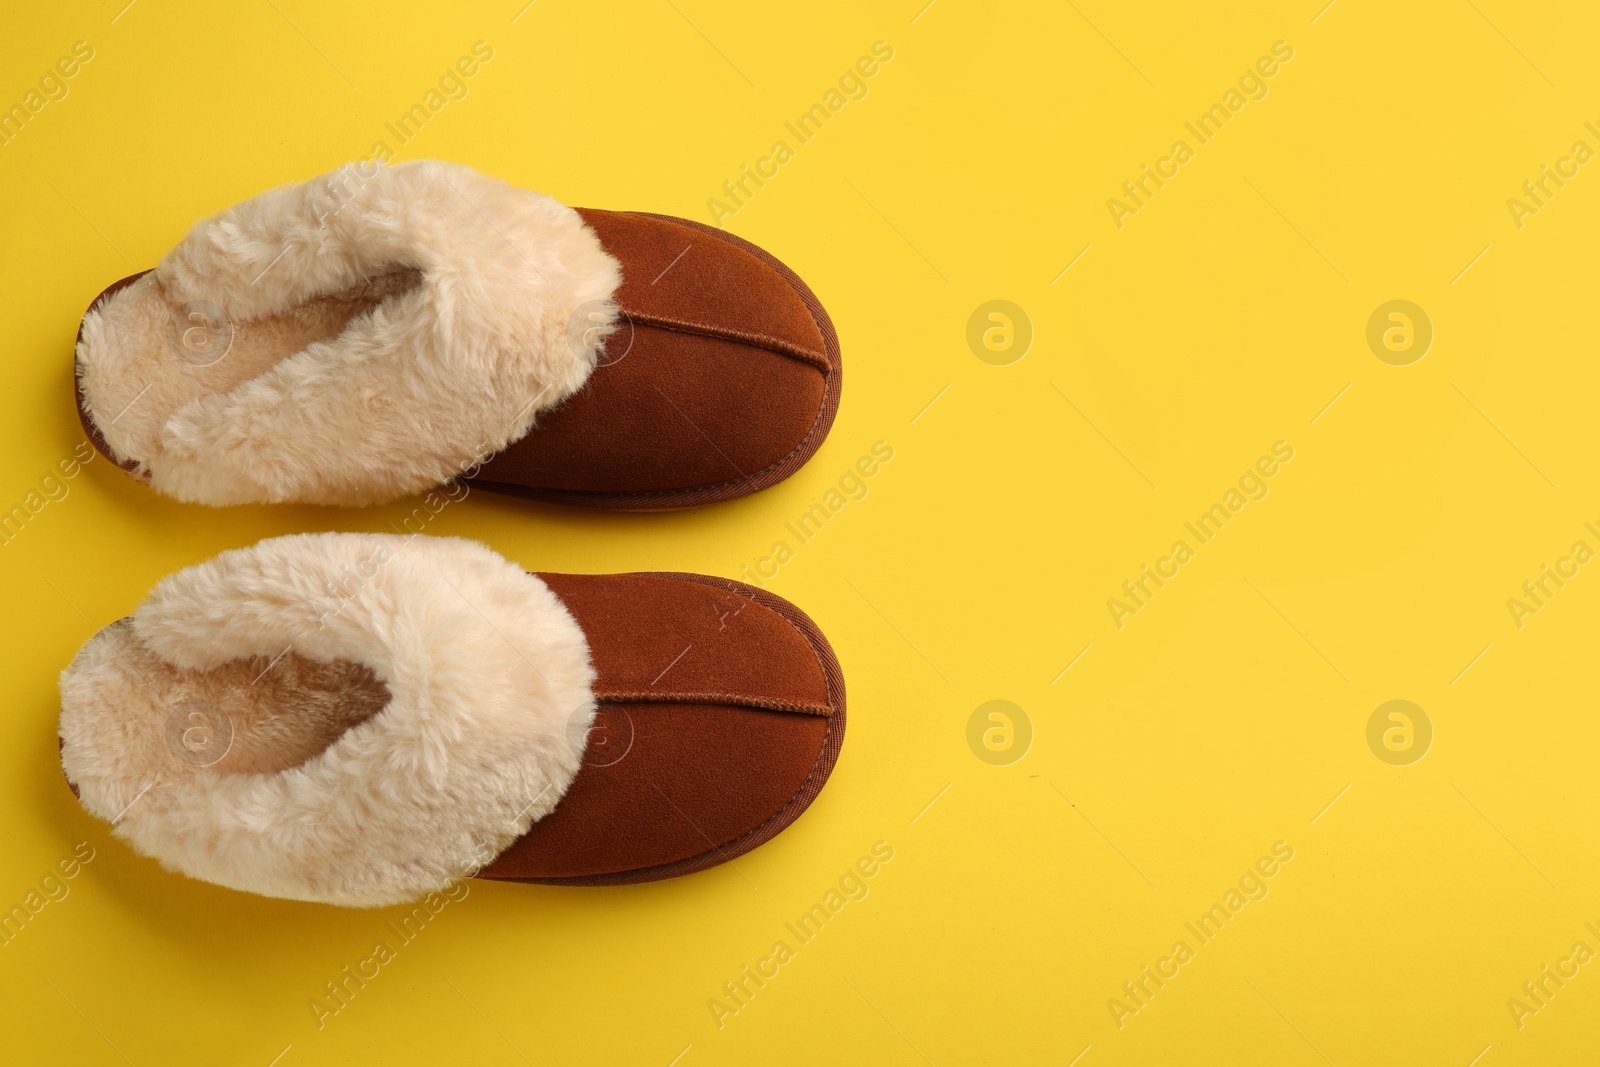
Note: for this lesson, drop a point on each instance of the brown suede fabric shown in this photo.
(723, 379)
(645, 424)
(654, 640)
(674, 276)
(690, 762)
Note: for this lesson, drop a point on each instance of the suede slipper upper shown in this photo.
(380, 330)
(363, 719)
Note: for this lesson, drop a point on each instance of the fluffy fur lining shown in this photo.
(328, 791)
(384, 328)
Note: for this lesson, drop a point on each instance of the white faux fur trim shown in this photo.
(489, 685)
(430, 375)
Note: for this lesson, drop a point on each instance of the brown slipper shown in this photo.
(365, 719)
(379, 331)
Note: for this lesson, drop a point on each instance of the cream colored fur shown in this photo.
(391, 326)
(402, 709)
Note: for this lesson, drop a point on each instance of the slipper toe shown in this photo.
(721, 714)
(722, 378)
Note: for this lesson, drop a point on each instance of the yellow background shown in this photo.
(1223, 717)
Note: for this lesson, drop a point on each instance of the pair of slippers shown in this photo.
(363, 719)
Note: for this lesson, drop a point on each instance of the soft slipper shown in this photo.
(363, 719)
(380, 330)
